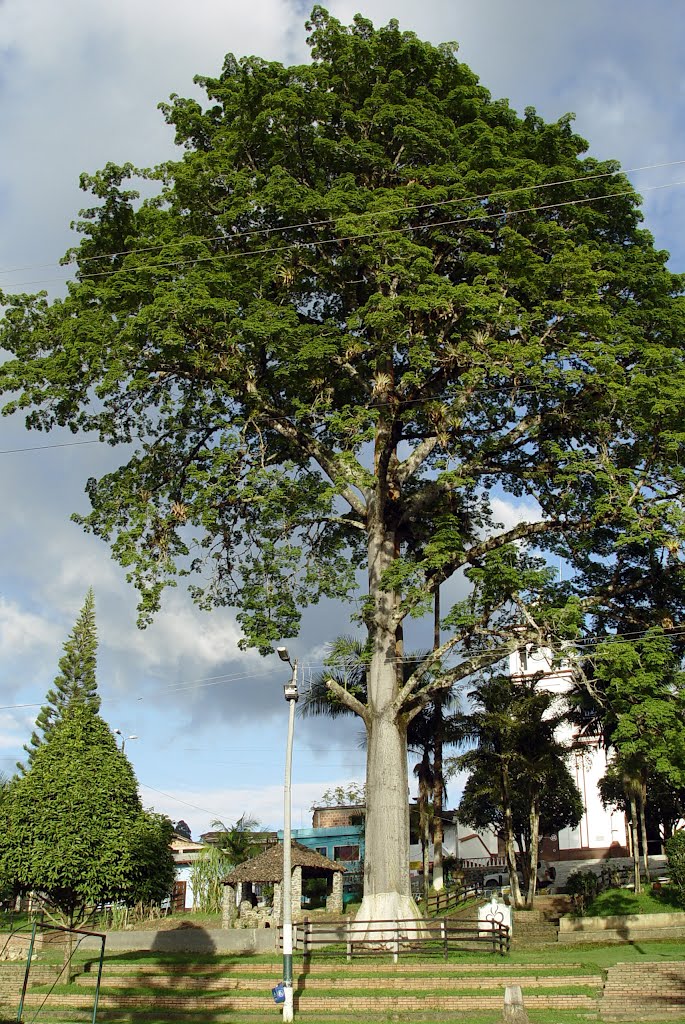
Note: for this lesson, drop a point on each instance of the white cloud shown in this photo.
(510, 512)
(22, 632)
(184, 632)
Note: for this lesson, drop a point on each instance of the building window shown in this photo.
(345, 853)
(323, 850)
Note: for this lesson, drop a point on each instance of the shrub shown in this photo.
(675, 851)
(583, 886)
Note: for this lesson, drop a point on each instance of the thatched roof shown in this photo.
(268, 866)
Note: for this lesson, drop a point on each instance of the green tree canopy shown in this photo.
(73, 828)
(561, 805)
(365, 296)
(76, 682)
(637, 701)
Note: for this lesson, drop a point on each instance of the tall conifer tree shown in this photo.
(76, 682)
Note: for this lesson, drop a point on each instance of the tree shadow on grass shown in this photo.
(622, 902)
(180, 979)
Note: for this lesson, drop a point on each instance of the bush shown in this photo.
(583, 886)
(675, 851)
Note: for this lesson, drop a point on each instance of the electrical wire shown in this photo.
(178, 800)
(504, 649)
(478, 197)
(44, 447)
(500, 215)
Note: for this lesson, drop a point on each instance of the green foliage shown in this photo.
(76, 682)
(207, 873)
(351, 795)
(675, 852)
(638, 702)
(364, 249)
(240, 841)
(561, 805)
(73, 829)
(519, 780)
(583, 886)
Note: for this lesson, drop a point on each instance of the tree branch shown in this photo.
(328, 462)
(466, 668)
(414, 461)
(346, 698)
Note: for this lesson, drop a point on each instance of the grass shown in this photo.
(533, 960)
(617, 902)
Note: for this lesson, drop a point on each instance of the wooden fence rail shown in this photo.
(399, 937)
(449, 899)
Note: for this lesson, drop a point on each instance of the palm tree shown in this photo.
(511, 735)
(240, 841)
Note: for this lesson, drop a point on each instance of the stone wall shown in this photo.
(628, 928)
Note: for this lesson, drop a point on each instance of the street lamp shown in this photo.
(291, 695)
(118, 732)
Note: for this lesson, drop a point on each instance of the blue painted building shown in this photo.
(344, 843)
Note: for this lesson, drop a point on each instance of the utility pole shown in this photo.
(291, 695)
(118, 732)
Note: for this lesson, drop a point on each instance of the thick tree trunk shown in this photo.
(533, 850)
(387, 889)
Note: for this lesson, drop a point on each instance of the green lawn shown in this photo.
(613, 902)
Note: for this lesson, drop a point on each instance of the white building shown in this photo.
(184, 851)
(602, 832)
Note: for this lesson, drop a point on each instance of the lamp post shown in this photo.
(118, 732)
(291, 695)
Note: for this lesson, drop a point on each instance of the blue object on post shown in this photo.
(278, 992)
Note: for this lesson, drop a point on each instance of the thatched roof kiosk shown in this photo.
(267, 867)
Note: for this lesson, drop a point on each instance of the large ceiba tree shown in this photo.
(366, 298)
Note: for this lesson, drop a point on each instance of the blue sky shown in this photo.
(79, 84)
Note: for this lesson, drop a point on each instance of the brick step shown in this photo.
(324, 1004)
(305, 982)
(643, 992)
(662, 1014)
(315, 966)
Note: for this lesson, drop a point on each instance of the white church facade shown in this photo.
(602, 832)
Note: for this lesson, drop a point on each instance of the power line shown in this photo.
(178, 800)
(504, 649)
(280, 229)
(44, 447)
(534, 389)
(500, 215)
